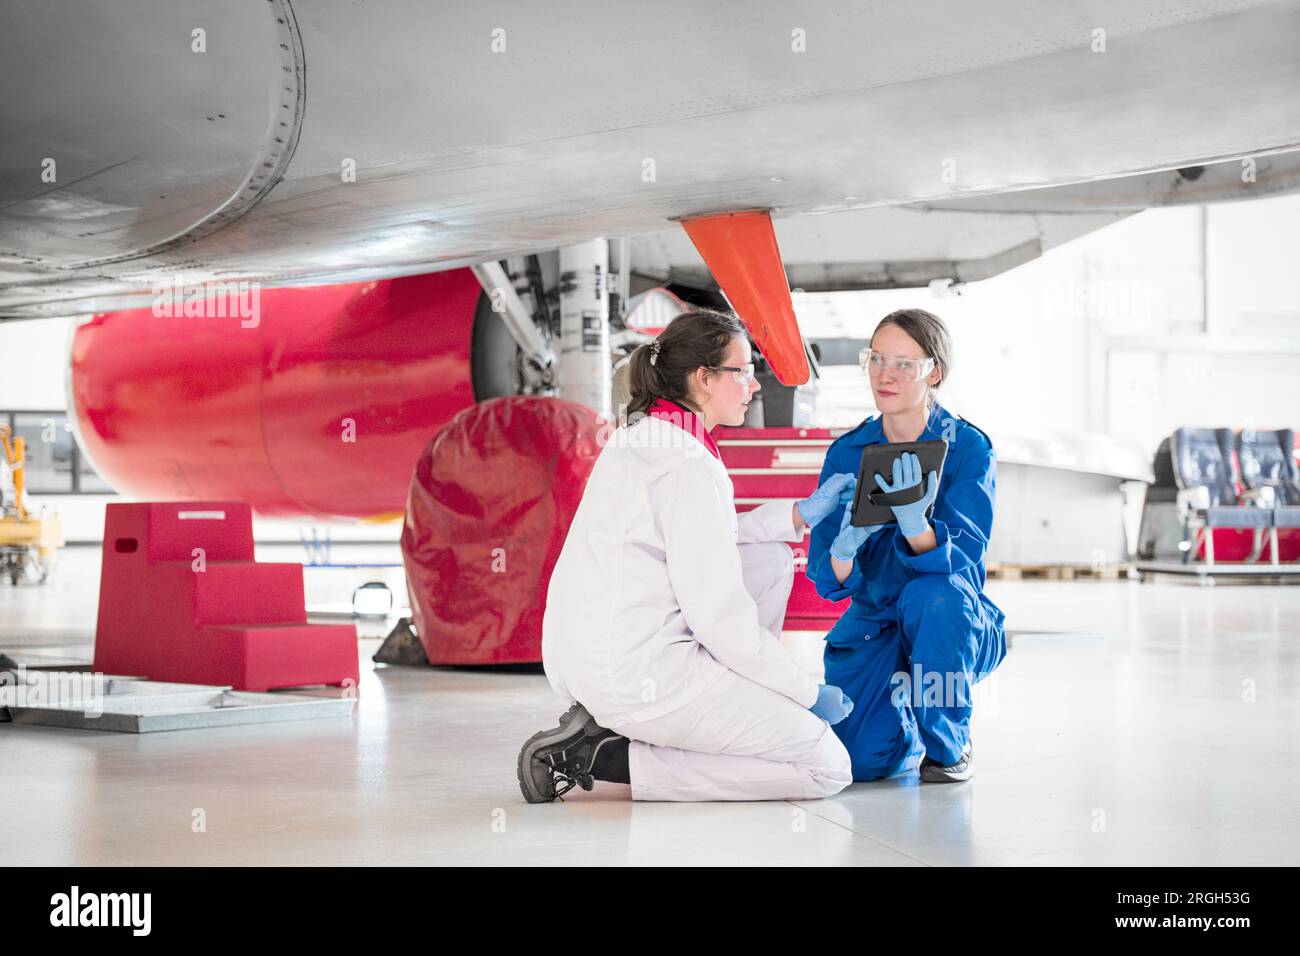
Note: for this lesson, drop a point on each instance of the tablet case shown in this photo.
(873, 506)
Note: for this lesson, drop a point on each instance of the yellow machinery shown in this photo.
(26, 540)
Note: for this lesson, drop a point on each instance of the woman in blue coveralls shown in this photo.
(920, 632)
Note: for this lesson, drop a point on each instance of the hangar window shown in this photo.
(55, 465)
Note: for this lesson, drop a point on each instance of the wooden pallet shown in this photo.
(1058, 572)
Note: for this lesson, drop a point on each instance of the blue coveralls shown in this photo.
(919, 615)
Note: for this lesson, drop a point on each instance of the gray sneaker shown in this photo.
(553, 762)
(934, 772)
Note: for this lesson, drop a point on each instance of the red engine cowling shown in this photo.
(321, 406)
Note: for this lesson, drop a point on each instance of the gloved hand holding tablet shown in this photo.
(915, 468)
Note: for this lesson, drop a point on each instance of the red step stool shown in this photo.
(167, 616)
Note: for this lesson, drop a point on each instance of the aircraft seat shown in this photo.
(1208, 499)
(1267, 461)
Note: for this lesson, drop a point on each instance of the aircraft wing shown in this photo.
(290, 142)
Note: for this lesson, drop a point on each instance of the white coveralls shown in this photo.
(663, 618)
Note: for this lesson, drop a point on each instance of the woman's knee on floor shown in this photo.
(828, 769)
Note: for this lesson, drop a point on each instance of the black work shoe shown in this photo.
(934, 772)
(553, 762)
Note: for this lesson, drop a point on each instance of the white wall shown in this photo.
(33, 359)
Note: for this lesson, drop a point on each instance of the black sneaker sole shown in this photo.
(533, 792)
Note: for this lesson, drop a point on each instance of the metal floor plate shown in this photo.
(138, 707)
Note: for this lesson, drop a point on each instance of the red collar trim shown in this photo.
(684, 418)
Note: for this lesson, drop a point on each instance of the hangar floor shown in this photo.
(1130, 724)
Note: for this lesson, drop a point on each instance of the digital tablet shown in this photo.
(870, 504)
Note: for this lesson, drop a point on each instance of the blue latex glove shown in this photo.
(850, 540)
(838, 490)
(907, 474)
(833, 705)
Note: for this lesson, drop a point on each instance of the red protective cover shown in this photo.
(491, 501)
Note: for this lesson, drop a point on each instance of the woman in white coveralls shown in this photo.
(664, 611)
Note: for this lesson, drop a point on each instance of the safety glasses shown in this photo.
(908, 369)
(742, 375)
